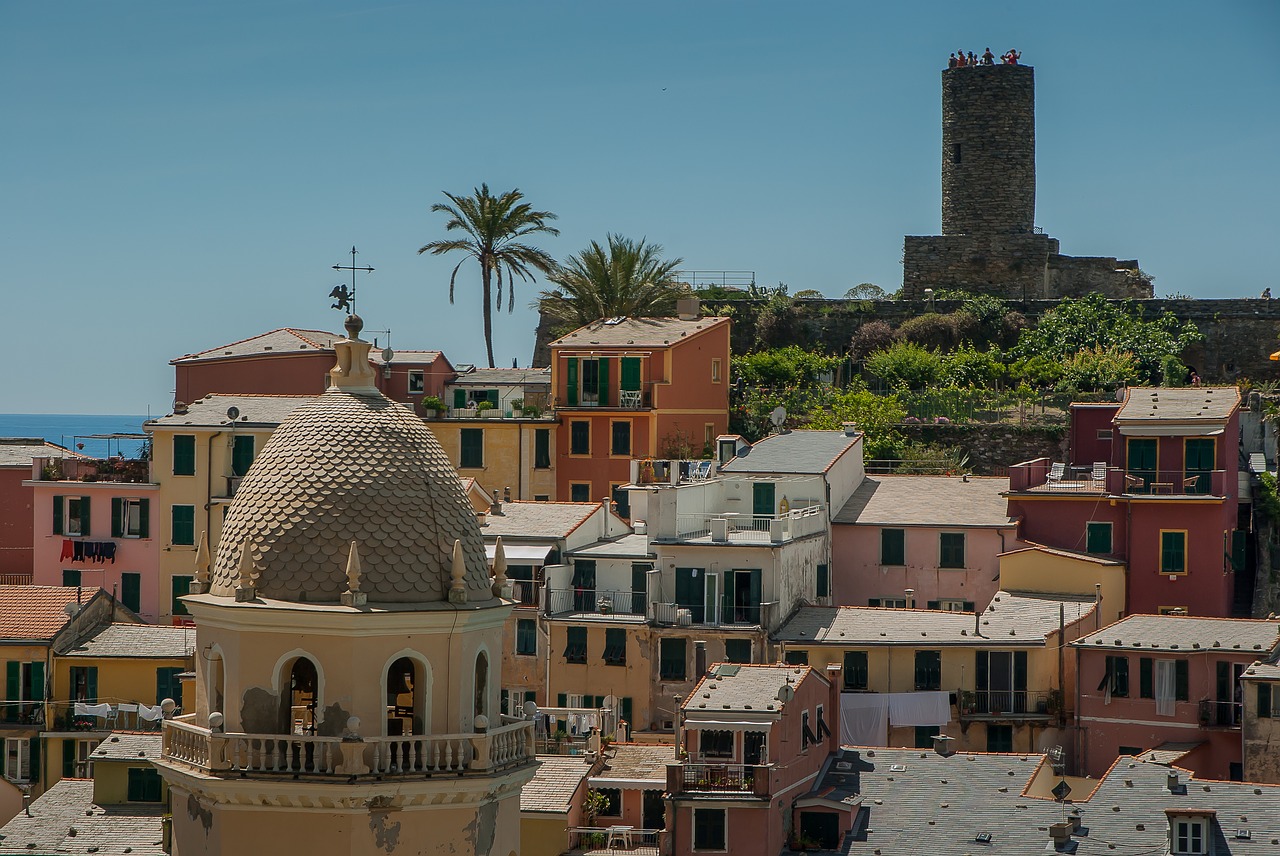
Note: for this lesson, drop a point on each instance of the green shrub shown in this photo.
(1100, 368)
(869, 338)
(967, 366)
(906, 365)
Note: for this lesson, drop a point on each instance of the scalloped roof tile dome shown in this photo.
(351, 466)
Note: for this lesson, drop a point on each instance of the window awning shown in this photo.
(724, 725)
(1167, 430)
(520, 553)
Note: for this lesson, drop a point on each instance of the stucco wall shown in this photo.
(509, 454)
(1261, 737)
(16, 532)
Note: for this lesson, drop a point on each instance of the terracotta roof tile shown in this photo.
(636, 332)
(37, 612)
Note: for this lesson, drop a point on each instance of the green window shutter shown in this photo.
(824, 580)
(1098, 538)
(168, 685)
(855, 670)
(144, 518)
(873, 601)
(1019, 671)
(131, 590)
(12, 689)
(562, 700)
(181, 586)
(86, 529)
(1121, 672)
(1181, 680)
(242, 454)
(1146, 678)
(967, 606)
(37, 680)
(542, 448)
(70, 577)
(117, 517)
(471, 441)
(459, 399)
(58, 504)
(135, 784)
(951, 550)
(91, 673)
(184, 525)
(604, 382)
(571, 381)
(893, 547)
(184, 454)
(934, 604)
(630, 371)
(981, 670)
(68, 758)
(1173, 549)
(1264, 701)
(797, 658)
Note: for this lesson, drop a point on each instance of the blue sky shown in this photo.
(179, 175)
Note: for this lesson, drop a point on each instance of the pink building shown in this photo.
(16, 455)
(94, 526)
(757, 739)
(936, 535)
(1167, 683)
(1165, 501)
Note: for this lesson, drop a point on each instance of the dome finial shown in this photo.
(458, 572)
(352, 371)
(353, 596)
(200, 584)
(499, 568)
(245, 590)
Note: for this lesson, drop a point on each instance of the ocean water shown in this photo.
(72, 430)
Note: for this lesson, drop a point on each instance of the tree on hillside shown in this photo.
(626, 278)
(493, 226)
(866, 291)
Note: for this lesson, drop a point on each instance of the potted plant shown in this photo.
(485, 409)
(431, 406)
(532, 412)
(517, 407)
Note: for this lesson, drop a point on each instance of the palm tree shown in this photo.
(629, 279)
(494, 225)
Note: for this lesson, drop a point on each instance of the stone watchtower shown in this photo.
(988, 150)
(989, 242)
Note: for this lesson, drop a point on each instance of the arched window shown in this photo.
(299, 701)
(482, 684)
(217, 681)
(405, 698)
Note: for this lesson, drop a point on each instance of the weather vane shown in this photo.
(345, 298)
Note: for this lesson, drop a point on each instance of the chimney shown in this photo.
(506, 494)
(850, 428)
(943, 745)
(1060, 833)
(495, 507)
(689, 308)
(482, 518)
(699, 659)
(1172, 782)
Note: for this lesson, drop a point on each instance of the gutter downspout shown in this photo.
(1062, 641)
(208, 478)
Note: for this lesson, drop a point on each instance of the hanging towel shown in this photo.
(77, 551)
(99, 710)
(150, 714)
(920, 708)
(108, 551)
(864, 719)
(68, 549)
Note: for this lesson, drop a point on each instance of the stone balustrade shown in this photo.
(225, 754)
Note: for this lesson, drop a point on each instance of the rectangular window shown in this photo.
(84, 684)
(184, 454)
(893, 546)
(737, 650)
(242, 454)
(1265, 699)
(181, 587)
(1097, 538)
(183, 519)
(824, 581)
(951, 604)
(807, 735)
(1188, 839)
(131, 590)
(715, 371)
(925, 735)
(1103, 434)
(71, 515)
(671, 659)
(579, 437)
(526, 637)
(855, 671)
(17, 759)
(1116, 678)
(144, 784)
(1181, 680)
(928, 670)
(888, 602)
(1146, 678)
(999, 738)
(1173, 551)
(130, 518)
(715, 744)
(168, 685)
(580, 492)
(796, 658)
(542, 448)
(471, 441)
(1200, 458)
(575, 649)
(612, 802)
(615, 646)
(417, 381)
(70, 577)
(709, 829)
(620, 443)
(951, 550)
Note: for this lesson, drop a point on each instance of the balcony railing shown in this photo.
(1009, 704)
(614, 839)
(28, 714)
(1044, 476)
(525, 592)
(1220, 714)
(733, 528)
(126, 470)
(606, 603)
(15, 579)
(718, 779)
(675, 614)
(218, 754)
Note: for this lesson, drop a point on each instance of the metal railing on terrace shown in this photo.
(1221, 714)
(526, 592)
(743, 279)
(1044, 476)
(603, 602)
(1008, 704)
(118, 470)
(731, 527)
(701, 778)
(22, 713)
(613, 840)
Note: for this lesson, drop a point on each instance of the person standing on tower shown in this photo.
(973, 59)
(988, 58)
(960, 61)
(952, 62)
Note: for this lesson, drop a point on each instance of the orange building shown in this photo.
(634, 388)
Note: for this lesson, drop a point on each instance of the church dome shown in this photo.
(351, 466)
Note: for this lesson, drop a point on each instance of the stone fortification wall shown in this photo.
(993, 447)
(1005, 265)
(1076, 276)
(988, 150)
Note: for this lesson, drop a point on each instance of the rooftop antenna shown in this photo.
(344, 298)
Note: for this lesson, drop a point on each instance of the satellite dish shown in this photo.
(778, 416)
(786, 693)
(71, 609)
(530, 709)
(233, 413)
(387, 354)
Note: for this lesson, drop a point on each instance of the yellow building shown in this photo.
(515, 456)
(115, 679)
(1047, 570)
(199, 456)
(996, 681)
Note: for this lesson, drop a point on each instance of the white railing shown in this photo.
(747, 528)
(246, 754)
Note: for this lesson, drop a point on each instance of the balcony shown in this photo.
(116, 470)
(238, 755)
(1220, 714)
(526, 593)
(15, 579)
(603, 604)
(586, 840)
(700, 779)
(1006, 705)
(738, 529)
(21, 714)
(696, 614)
(1041, 476)
(616, 399)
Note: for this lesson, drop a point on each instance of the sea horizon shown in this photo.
(76, 430)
